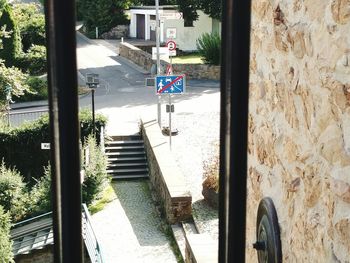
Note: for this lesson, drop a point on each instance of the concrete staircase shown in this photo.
(126, 157)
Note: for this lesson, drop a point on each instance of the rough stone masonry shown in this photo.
(299, 125)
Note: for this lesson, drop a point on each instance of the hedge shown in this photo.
(21, 147)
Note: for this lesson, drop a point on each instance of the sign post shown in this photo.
(170, 85)
(92, 82)
(158, 59)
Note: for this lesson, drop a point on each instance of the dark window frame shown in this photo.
(63, 103)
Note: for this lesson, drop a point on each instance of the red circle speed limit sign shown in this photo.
(171, 45)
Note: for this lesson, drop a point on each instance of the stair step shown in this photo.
(135, 137)
(124, 148)
(122, 159)
(130, 142)
(131, 165)
(127, 171)
(125, 153)
(132, 176)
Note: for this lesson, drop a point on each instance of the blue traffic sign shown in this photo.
(170, 84)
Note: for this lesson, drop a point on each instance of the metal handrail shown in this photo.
(90, 238)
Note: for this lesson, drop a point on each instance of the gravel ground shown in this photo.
(197, 121)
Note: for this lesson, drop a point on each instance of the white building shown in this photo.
(143, 23)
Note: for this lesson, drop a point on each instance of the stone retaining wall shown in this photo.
(299, 125)
(166, 178)
(192, 71)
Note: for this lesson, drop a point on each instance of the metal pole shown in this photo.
(170, 120)
(96, 32)
(64, 130)
(234, 130)
(93, 110)
(158, 60)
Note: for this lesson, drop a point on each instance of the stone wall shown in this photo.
(299, 125)
(192, 71)
(167, 180)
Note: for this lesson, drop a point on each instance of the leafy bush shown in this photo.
(12, 47)
(211, 172)
(13, 194)
(33, 61)
(20, 146)
(40, 195)
(38, 90)
(5, 242)
(95, 171)
(31, 23)
(209, 47)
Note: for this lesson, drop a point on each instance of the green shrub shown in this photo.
(31, 23)
(209, 47)
(33, 61)
(5, 242)
(40, 195)
(38, 90)
(13, 194)
(21, 147)
(12, 47)
(95, 171)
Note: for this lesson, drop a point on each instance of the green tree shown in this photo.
(5, 242)
(104, 14)
(12, 47)
(11, 80)
(31, 23)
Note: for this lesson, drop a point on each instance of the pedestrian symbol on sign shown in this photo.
(160, 85)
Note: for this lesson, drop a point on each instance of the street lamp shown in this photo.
(92, 82)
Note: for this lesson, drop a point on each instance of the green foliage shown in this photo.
(5, 242)
(95, 171)
(31, 23)
(189, 10)
(209, 47)
(12, 47)
(33, 61)
(213, 8)
(40, 195)
(13, 195)
(20, 146)
(104, 14)
(15, 79)
(37, 90)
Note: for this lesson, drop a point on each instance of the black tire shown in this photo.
(267, 230)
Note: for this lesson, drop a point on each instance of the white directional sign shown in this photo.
(163, 53)
(170, 15)
(45, 146)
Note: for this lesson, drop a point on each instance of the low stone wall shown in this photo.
(166, 178)
(200, 248)
(192, 71)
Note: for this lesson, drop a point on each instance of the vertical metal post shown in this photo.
(170, 130)
(158, 60)
(93, 110)
(64, 130)
(234, 130)
(96, 32)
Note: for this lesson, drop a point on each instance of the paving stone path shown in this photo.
(130, 229)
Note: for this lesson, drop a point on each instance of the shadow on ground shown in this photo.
(135, 198)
